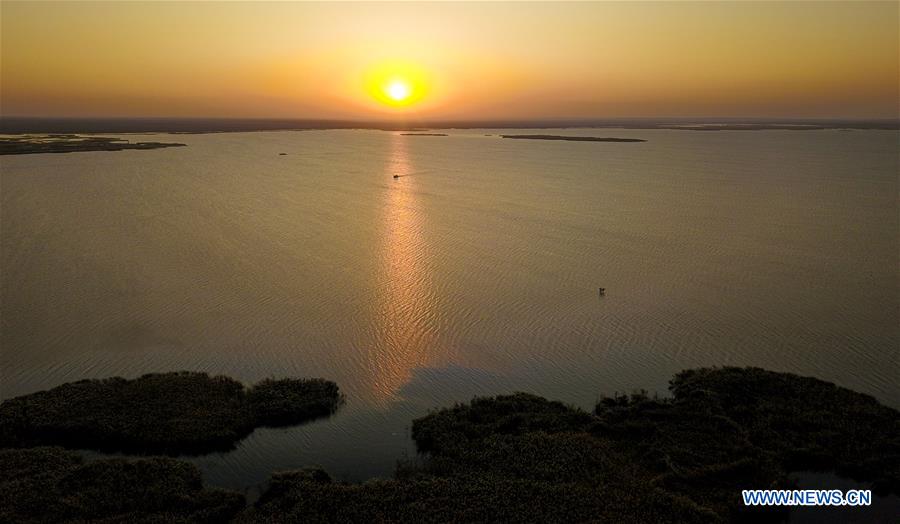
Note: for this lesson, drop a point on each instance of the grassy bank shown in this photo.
(167, 413)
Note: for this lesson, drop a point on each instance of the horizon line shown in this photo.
(107, 124)
(440, 119)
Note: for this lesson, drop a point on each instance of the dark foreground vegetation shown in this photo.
(573, 138)
(168, 413)
(55, 485)
(24, 145)
(522, 458)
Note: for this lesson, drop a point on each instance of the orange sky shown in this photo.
(469, 60)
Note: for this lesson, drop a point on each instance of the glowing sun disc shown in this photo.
(398, 91)
(398, 85)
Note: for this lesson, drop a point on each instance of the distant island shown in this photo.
(66, 143)
(573, 138)
(424, 134)
(513, 458)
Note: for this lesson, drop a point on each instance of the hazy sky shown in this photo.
(462, 60)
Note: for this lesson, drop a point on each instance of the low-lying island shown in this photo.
(33, 144)
(573, 138)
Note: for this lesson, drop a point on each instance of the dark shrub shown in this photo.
(289, 401)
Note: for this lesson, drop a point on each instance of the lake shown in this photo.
(475, 272)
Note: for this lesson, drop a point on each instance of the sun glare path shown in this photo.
(405, 320)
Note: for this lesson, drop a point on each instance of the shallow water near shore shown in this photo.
(475, 272)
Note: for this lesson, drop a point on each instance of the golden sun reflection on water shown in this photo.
(405, 296)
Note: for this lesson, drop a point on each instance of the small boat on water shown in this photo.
(396, 176)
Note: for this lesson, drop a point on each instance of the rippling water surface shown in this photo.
(476, 271)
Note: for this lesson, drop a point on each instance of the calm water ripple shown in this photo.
(474, 272)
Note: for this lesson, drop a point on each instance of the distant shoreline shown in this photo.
(573, 138)
(20, 125)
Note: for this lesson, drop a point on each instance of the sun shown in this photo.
(398, 90)
(397, 85)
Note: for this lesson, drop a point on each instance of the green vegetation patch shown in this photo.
(806, 423)
(310, 496)
(55, 485)
(522, 458)
(168, 413)
(287, 401)
(512, 458)
(728, 429)
(33, 144)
